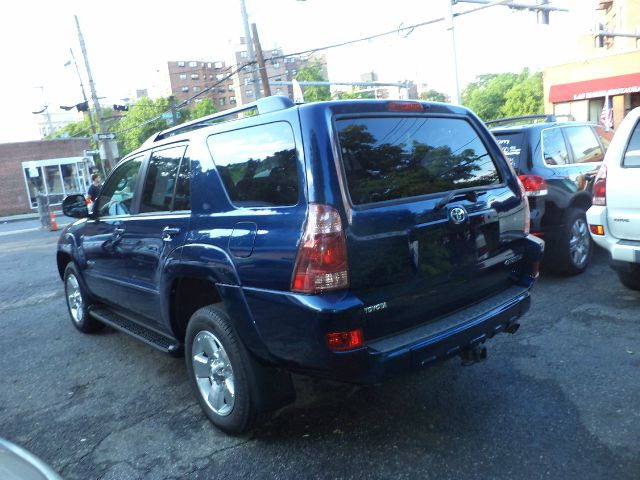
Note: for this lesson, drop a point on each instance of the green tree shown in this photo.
(494, 96)
(434, 96)
(201, 109)
(313, 73)
(354, 94)
(140, 123)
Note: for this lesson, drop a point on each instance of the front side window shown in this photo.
(632, 154)
(116, 197)
(160, 183)
(389, 158)
(257, 164)
(554, 150)
(584, 144)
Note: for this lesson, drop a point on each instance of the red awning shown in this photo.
(599, 87)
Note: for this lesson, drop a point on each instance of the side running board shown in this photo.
(158, 340)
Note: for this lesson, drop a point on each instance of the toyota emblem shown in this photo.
(458, 215)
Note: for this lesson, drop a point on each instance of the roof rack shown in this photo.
(546, 118)
(262, 106)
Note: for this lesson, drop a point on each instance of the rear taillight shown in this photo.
(527, 212)
(321, 264)
(345, 340)
(600, 187)
(534, 185)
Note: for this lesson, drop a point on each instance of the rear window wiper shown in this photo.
(471, 196)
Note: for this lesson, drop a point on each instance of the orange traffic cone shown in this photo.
(54, 224)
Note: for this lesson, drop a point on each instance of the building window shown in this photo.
(244, 54)
(193, 64)
(181, 64)
(249, 93)
(278, 79)
(185, 89)
(198, 100)
(183, 76)
(231, 88)
(219, 76)
(196, 89)
(294, 71)
(276, 64)
(194, 76)
(275, 52)
(247, 81)
(209, 65)
(232, 99)
(217, 64)
(221, 101)
(278, 91)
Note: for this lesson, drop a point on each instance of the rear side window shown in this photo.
(257, 164)
(389, 158)
(511, 144)
(632, 154)
(584, 144)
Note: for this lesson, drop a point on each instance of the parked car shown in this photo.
(16, 463)
(614, 217)
(556, 162)
(353, 240)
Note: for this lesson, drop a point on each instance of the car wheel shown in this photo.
(574, 246)
(220, 370)
(78, 302)
(630, 278)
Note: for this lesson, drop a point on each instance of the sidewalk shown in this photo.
(29, 216)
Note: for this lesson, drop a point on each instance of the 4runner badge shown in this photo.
(457, 215)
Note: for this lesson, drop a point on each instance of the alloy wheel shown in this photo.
(579, 243)
(213, 373)
(74, 299)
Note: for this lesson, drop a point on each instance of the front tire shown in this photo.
(78, 302)
(574, 246)
(220, 369)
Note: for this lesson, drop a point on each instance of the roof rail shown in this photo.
(527, 118)
(263, 105)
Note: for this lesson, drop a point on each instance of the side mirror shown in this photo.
(75, 206)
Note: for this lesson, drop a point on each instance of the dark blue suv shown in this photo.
(352, 240)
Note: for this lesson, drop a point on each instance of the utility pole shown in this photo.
(96, 103)
(250, 51)
(174, 113)
(260, 58)
(455, 98)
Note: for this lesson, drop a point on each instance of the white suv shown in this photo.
(614, 218)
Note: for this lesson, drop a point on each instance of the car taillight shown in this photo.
(534, 185)
(527, 212)
(600, 187)
(321, 264)
(345, 340)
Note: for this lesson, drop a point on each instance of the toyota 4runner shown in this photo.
(352, 240)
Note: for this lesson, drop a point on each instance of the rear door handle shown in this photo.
(169, 232)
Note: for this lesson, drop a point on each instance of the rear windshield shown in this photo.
(389, 158)
(511, 145)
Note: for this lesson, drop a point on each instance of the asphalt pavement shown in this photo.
(557, 400)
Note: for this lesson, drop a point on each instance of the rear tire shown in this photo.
(630, 278)
(220, 371)
(78, 302)
(574, 246)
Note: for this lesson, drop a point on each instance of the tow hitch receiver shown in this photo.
(471, 355)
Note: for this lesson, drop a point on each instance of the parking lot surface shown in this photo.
(559, 399)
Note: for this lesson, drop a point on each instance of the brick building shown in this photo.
(609, 69)
(54, 167)
(189, 77)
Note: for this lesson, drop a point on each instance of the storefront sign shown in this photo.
(597, 88)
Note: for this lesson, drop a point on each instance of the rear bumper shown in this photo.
(622, 252)
(436, 340)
